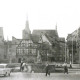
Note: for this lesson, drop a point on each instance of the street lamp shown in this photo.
(47, 55)
(72, 50)
(70, 62)
(10, 55)
(65, 51)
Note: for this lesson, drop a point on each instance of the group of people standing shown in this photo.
(27, 68)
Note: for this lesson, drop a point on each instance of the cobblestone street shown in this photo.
(41, 76)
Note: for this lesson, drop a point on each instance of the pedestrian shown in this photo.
(23, 66)
(47, 70)
(70, 65)
(29, 69)
(21, 69)
(65, 68)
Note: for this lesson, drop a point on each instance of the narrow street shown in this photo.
(41, 76)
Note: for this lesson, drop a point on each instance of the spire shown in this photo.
(27, 26)
(26, 32)
(56, 27)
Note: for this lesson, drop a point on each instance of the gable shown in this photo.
(40, 40)
(51, 36)
(45, 39)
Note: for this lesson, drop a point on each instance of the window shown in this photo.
(29, 44)
(26, 45)
(33, 51)
(26, 51)
(30, 51)
(19, 51)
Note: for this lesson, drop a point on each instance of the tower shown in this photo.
(26, 32)
(56, 27)
(56, 30)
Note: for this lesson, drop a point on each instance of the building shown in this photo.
(73, 45)
(36, 47)
(2, 46)
(56, 49)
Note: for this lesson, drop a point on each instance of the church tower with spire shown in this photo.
(26, 32)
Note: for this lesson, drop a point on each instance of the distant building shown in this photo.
(73, 46)
(2, 52)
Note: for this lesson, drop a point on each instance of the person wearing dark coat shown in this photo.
(65, 68)
(21, 68)
(47, 70)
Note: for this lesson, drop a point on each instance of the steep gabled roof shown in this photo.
(50, 32)
(51, 35)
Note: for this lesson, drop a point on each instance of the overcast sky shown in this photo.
(42, 14)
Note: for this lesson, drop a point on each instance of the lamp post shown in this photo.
(10, 55)
(79, 55)
(47, 55)
(70, 62)
(72, 50)
(65, 51)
